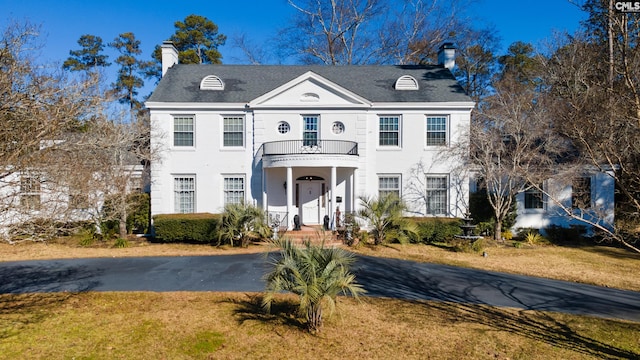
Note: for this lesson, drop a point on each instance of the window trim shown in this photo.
(397, 177)
(447, 194)
(173, 131)
(398, 131)
(177, 208)
(225, 190)
(244, 131)
(445, 131)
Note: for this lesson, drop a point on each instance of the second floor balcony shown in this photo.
(310, 153)
(322, 147)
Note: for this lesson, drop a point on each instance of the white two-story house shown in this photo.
(305, 140)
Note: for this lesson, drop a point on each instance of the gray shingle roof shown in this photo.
(244, 83)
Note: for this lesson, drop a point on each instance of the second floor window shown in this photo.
(310, 131)
(389, 131)
(233, 132)
(436, 131)
(183, 130)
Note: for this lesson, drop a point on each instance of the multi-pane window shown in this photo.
(581, 193)
(233, 132)
(436, 191)
(183, 130)
(184, 192)
(388, 184)
(233, 190)
(436, 130)
(30, 192)
(310, 132)
(533, 198)
(389, 131)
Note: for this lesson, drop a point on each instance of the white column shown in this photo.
(264, 190)
(333, 194)
(354, 190)
(290, 186)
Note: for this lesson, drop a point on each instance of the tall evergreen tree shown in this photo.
(197, 40)
(131, 69)
(88, 57)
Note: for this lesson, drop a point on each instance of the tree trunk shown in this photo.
(497, 230)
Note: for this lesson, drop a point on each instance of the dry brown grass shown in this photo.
(231, 326)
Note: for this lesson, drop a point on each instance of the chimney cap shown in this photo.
(447, 45)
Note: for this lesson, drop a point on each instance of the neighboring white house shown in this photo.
(305, 140)
(589, 197)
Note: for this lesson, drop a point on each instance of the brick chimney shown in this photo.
(447, 55)
(169, 56)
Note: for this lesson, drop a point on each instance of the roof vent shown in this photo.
(406, 82)
(211, 82)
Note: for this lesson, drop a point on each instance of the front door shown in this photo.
(310, 201)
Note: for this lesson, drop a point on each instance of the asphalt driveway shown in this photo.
(380, 277)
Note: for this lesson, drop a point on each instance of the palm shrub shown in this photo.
(316, 274)
(385, 215)
(240, 224)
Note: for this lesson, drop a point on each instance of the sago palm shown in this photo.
(385, 216)
(316, 274)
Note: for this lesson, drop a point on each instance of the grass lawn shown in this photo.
(182, 325)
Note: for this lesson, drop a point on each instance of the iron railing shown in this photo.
(323, 147)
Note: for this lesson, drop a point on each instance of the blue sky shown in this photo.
(64, 21)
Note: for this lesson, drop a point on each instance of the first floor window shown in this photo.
(233, 132)
(233, 190)
(533, 198)
(581, 193)
(389, 131)
(184, 190)
(388, 184)
(183, 130)
(30, 192)
(436, 131)
(436, 191)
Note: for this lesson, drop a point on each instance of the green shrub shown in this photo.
(437, 230)
(566, 235)
(138, 217)
(121, 243)
(187, 228)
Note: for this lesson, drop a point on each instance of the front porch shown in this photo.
(309, 182)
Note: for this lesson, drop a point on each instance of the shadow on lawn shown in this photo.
(466, 294)
(283, 311)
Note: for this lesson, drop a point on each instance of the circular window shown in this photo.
(337, 128)
(283, 127)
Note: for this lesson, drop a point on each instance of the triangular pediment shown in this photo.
(310, 90)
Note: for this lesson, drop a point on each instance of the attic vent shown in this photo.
(406, 82)
(211, 82)
(310, 97)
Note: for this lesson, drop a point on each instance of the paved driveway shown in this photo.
(380, 277)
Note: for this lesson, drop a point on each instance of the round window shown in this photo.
(283, 127)
(338, 128)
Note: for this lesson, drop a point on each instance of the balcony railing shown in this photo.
(323, 147)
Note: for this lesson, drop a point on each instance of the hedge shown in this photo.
(189, 228)
(437, 230)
